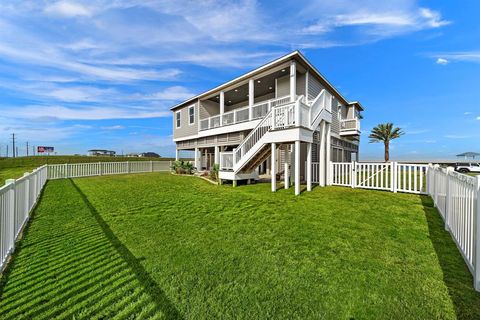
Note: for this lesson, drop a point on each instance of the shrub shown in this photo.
(182, 167)
(214, 172)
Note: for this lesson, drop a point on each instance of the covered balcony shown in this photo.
(350, 120)
(252, 99)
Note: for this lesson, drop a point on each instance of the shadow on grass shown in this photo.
(456, 276)
(161, 301)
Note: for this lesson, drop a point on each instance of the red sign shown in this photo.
(43, 149)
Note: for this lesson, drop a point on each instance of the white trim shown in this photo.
(194, 114)
(179, 119)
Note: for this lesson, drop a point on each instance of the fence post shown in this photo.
(151, 166)
(128, 166)
(353, 174)
(447, 197)
(11, 215)
(27, 193)
(394, 176)
(476, 213)
(435, 193)
(65, 170)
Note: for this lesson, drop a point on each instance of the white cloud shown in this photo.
(171, 93)
(464, 56)
(478, 118)
(116, 127)
(84, 112)
(442, 61)
(467, 113)
(67, 9)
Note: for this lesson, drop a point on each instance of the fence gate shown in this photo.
(391, 176)
(372, 175)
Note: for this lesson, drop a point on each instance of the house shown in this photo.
(144, 154)
(467, 155)
(283, 118)
(101, 152)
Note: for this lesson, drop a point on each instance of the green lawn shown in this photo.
(164, 246)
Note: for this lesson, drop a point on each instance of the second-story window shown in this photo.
(177, 119)
(191, 115)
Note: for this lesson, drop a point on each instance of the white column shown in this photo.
(273, 171)
(292, 164)
(309, 166)
(177, 154)
(322, 157)
(222, 104)
(217, 154)
(307, 75)
(327, 154)
(293, 80)
(197, 159)
(251, 98)
(285, 176)
(297, 167)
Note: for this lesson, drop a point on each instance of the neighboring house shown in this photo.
(144, 154)
(101, 152)
(467, 155)
(277, 117)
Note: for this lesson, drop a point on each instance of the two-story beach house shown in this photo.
(283, 120)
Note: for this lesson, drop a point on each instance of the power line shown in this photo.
(13, 145)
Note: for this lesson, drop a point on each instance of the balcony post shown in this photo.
(309, 166)
(251, 98)
(293, 80)
(222, 106)
(328, 155)
(196, 158)
(322, 158)
(297, 167)
(273, 171)
(217, 155)
(177, 154)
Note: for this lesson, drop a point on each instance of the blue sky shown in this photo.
(103, 74)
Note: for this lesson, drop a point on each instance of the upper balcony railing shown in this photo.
(259, 110)
(349, 125)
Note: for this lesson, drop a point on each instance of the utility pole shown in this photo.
(27, 148)
(13, 144)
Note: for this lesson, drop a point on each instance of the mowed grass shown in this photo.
(164, 246)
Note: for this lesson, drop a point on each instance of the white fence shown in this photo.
(391, 176)
(75, 170)
(457, 198)
(17, 199)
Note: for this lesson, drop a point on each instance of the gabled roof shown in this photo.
(293, 55)
(468, 154)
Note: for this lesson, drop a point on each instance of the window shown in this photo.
(191, 114)
(177, 118)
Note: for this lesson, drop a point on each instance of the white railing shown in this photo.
(75, 170)
(349, 125)
(17, 200)
(259, 110)
(226, 160)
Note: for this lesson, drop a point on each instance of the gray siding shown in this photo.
(283, 86)
(314, 87)
(301, 84)
(208, 108)
(335, 116)
(185, 129)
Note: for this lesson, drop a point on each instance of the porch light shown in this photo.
(236, 90)
(229, 101)
(283, 70)
(270, 88)
(258, 81)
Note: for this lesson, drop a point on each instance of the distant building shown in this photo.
(101, 152)
(144, 154)
(467, 155)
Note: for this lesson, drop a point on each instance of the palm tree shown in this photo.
(384, 132)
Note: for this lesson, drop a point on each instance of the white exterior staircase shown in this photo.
(254, 149)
